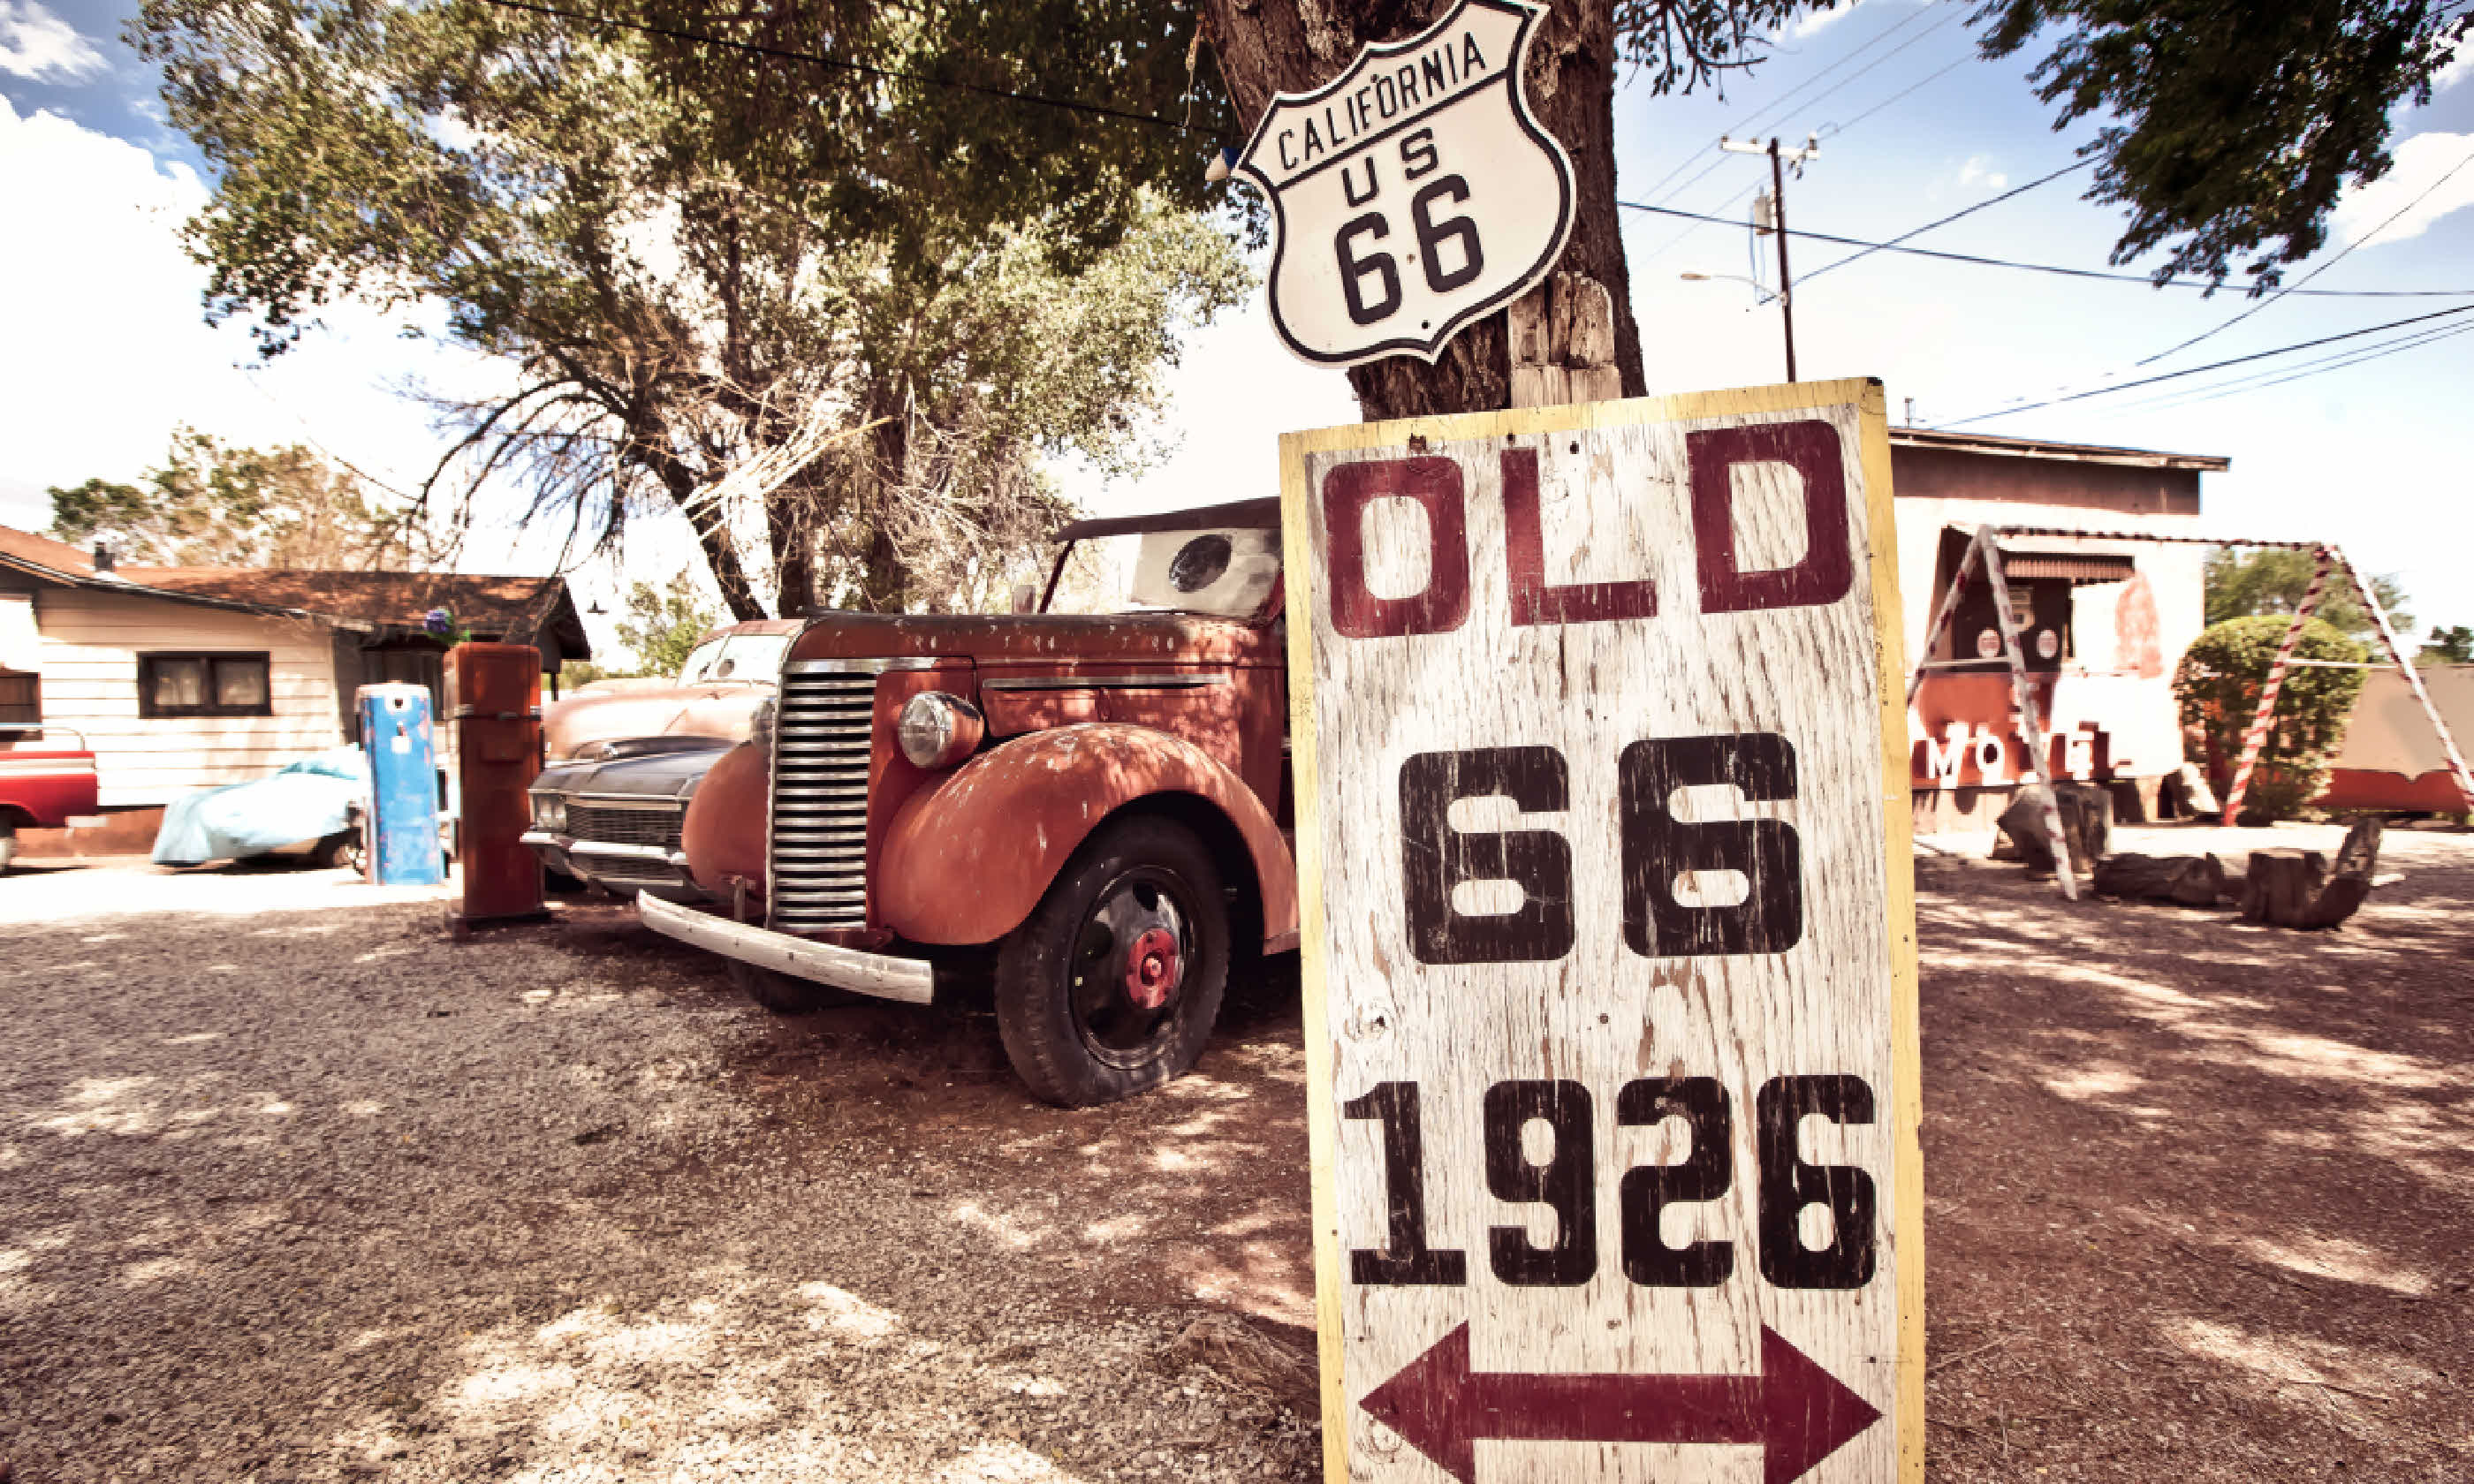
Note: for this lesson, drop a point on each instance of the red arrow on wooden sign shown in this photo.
(1797, 1413)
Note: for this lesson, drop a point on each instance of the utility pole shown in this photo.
(1779, 160)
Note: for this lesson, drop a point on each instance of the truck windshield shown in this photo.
(1226, 573)
(736, 657)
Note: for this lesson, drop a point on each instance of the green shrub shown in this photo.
(2218, 682)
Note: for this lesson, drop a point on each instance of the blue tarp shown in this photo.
(303, 802)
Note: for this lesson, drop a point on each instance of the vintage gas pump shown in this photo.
(493, 699)
(403, 745)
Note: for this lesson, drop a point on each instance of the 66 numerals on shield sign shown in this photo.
(1365, 267)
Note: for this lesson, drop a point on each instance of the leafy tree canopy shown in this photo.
(2451, 645)
(2218, 683)
(2229, 130)
(788, 299)
(209, 504)
(661, 625)
(2242, 583)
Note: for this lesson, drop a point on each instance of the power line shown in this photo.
(1748, 121)
(2239, 360)
(1934, 76)
(836, 65)
(2049, 267)
(1952, 217)
(2315, 272)
(2276, 376)
(1833, 130)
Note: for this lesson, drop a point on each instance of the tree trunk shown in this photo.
(789, 528)
(889, 576)
(1287, 46)
(720, 552)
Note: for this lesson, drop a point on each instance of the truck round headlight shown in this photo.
(939, 730)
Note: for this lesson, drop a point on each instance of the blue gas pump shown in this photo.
(401, 743)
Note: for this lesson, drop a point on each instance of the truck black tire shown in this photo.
(1113, 983)
(787, 995)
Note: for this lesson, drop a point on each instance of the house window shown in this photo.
(21, 700)
(203, 686)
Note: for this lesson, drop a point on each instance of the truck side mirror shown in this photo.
(1026, 598)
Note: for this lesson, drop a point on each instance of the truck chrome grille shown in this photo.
(819, 847)
(620, 824)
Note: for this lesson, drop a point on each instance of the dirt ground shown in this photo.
(291, 1189)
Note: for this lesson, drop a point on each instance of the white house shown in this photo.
(186, 678)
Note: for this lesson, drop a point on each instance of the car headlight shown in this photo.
(765, 725)
(550, 812)
(938, 730)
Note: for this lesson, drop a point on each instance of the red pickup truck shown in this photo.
(39, 790)
(1095, 795)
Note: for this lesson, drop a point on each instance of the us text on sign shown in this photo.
(1610, 945)
(1413, 193)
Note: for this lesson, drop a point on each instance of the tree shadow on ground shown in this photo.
(2198, 1188)
(323, 1196)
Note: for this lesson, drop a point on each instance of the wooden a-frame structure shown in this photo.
(1984, 552)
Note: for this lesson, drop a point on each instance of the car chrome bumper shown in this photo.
(616, 868)
(884, 975)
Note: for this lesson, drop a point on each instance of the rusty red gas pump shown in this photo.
(494, 703)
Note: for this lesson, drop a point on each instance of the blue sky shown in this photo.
(111, 351)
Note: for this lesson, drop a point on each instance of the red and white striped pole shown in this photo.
(2257, 735)
(2413, 681)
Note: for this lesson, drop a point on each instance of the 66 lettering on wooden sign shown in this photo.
(1609, 944)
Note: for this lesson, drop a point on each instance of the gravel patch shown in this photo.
(315, 1194)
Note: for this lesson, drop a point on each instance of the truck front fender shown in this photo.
(967, 859)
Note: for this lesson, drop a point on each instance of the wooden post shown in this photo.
(2031, 727)
(1941, 616)
(1563, 344)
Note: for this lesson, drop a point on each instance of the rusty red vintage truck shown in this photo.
(43, 788)
(1086, 804)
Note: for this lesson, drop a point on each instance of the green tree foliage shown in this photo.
(211, 505)
(708, 268)
(2231, 127)
(2241, 583)
(662, 624)
(2219, 685)
(2452, 645)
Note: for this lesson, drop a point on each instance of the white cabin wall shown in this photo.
(90, 644)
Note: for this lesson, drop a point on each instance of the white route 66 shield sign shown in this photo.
(1413, 193)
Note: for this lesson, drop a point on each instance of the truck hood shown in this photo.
(654, 775)
(720, 711)
(1036, 638)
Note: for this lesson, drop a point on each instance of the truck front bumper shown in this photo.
(884, 975)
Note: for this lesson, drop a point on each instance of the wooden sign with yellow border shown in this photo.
(1610, 945)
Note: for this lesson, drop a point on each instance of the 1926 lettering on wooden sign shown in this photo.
(1609, 944)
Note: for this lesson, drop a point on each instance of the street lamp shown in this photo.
(1769, 295)
(1766, 291)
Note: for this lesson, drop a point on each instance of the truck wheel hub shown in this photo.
(1151, 969)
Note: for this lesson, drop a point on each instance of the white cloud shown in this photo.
(108, 351)
(41, 47)
(1979, 173)
(1813, 22)
(2422, 162)
(2456, 69)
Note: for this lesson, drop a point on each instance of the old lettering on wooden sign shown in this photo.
(1609, 941)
